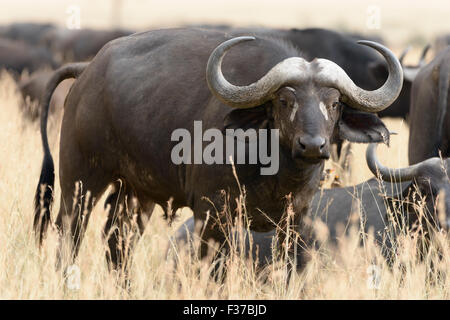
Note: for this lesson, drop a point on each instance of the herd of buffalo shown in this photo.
(317, 87)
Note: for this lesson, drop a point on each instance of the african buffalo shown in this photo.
(410, 71)
(80, 45)
(27, 32)
(429, 130)
(17, 56)
(441, 43)
(122, 112)
(374, 198)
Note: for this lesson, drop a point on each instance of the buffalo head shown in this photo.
(428, 180)
(311, 103)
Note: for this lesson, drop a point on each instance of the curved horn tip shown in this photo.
(228, 44)
(243, 38)
(235, 96)
(375, 45)
(388, 174)
(380, 48)
(381, 98)
(369, 43)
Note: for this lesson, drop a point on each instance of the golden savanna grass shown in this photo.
(344, 272)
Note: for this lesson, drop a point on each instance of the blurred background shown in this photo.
(398, 22)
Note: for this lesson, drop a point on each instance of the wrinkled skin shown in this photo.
(335, 207)
(122, 110)
(429, 130)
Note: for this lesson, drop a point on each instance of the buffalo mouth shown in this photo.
(314, 160)
(310, 160)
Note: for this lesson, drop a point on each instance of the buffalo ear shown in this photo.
(253, 118)
(362, 127)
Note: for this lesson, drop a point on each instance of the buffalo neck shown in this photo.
(294, 177)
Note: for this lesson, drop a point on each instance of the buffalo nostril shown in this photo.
(312, 146)
(302, 146)
(322, 146)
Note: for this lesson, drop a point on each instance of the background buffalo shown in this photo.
(430, 117)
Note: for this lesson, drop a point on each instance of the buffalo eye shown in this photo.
(284, 102)
(335, 105)
(286, 96)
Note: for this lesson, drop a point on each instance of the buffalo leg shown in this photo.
(208, 233)
(75, 210)
(212, 233)
(126, 223)
(293, 240)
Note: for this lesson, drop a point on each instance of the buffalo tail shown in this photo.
(44, 191)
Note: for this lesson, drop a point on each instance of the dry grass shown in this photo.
(340, 273)
(332, 273)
